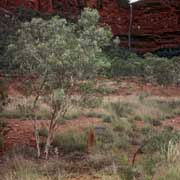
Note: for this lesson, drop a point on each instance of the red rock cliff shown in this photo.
(156, 23)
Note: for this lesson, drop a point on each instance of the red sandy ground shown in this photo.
(21, 132)
(135, 86)
(125, 87)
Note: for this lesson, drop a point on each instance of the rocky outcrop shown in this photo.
(156, 23)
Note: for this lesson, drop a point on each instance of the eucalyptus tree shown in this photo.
(60, 54)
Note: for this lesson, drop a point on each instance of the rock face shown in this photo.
(155, 23)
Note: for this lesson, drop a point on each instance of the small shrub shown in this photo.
(94, 114)
(4, 99)
(70, 142)
(86, 87)
(146, 130)
(149, 166)
(143, 96)
(105, 138)
(3, 125)
(22, 169)
(156, 122)
(128, 172)
(122, 125)
(171, 152)
(122, 159)
(24, 110)
(122, 141)
(156, 142)
(43, 132)
(24, 150)
(104, 90)
(172, 173)
(91, 101)
(1, 142)
(120, 109)
(99, 161)
(71, 116)
(106, 118)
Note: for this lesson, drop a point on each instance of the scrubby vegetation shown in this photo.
(68, 77)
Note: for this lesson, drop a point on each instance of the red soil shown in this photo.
(136, 87)
(21, 132)
(175, 123)
(123, 88)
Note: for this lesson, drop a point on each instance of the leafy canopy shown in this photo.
(60, 48)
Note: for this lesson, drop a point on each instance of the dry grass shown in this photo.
(20, 168)
(147, 108)
(20, 108)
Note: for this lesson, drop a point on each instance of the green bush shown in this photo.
(104, 89)
(1, 142)
(86, 87)
(3, 125)
(105, 138)
(122, 125)
(4, 99)
(90, 101)
(150, 67)
(120, 109)
(172, 173)
(122, 141)
(128, 172)
(149, 165)
(43, 132)
(70, 142)
(123, 62)
(156, 142)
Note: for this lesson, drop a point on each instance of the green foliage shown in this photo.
(120, 109)
(3, 125)
(124, 63)
(104, 89)
(60, 54)
(172, 173)
(43, 132)
(163, 70)
(155, 122)
(9, 24)
(128, 173)
(4, 99)
(106, 118)
(156, 142)
(70, 142)
(106, 138)
(86, 87)
(171, 152)
(150, 67)
(62, 49)
(149, 165)
(90, 101)
(1, 142)
(122, 141)
(25, 14)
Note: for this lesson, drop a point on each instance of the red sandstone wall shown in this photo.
(156, 23)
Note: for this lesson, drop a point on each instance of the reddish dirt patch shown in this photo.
(85, 177)
(88, 177)
(21, 132)
(136, 88)
(175, 123)
(123, 88)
